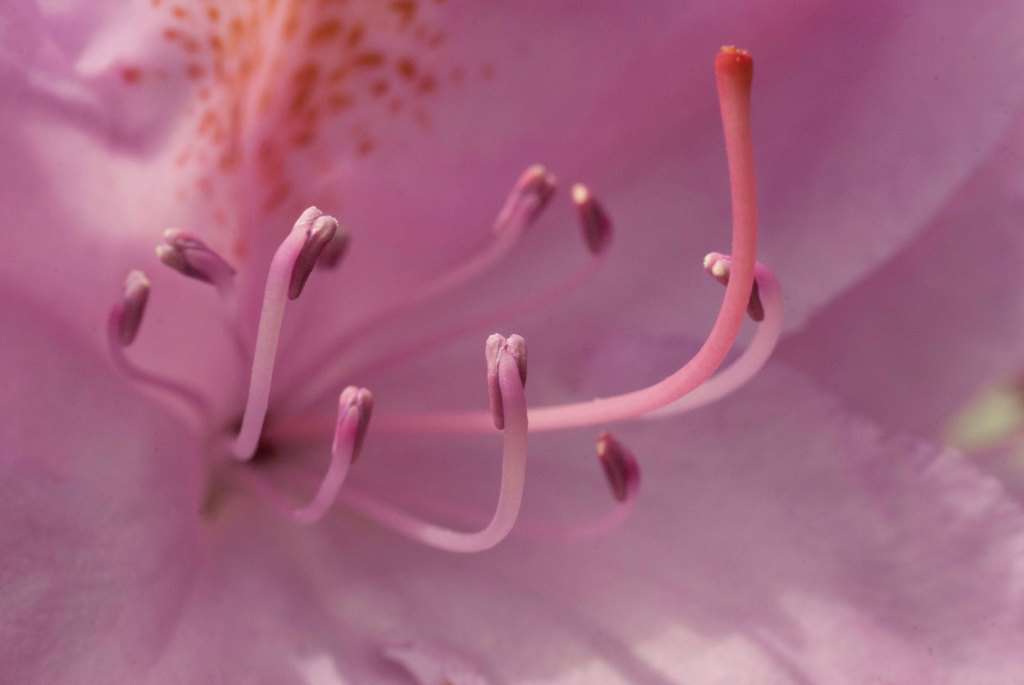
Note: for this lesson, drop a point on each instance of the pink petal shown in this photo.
(98, 506)
(778, 538)
(920, 337)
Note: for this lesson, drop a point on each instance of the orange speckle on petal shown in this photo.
(277, 197)
(131, 75)
(379, 88)
(427, 84)
(325, 31)
(179, 12)
(339, 102)
(195, 71)
(370, 59)
(355, 36)
(406, 68)
(405, 9)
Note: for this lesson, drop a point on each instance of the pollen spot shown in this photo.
(427, 84)
(355, 36)
(277, 197)
(339, 102)
(325, 32)
(405, 9)
(406, 68)
(291, 27)
(131, 75)
(368, 60)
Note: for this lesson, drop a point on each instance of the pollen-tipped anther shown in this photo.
(597, 227)
(620, 466)
(529, 196)
(719, 266)
(496, 347)
(361, 400)
(318, 237)
(133, 306)
(190, 256)
(335, 249)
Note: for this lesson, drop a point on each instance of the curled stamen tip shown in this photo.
(719, 266)
(620, 466)
(190, 256)
(359, 400)
(496, 347)
(334, 250)
(136, 293)
(318, 236)
(597, 227)
(529, 196)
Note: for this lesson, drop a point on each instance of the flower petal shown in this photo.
(915, 341)
(98, 502)
(778, 538)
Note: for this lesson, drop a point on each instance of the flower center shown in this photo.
(316, 241)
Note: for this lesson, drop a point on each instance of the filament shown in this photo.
(513, 479)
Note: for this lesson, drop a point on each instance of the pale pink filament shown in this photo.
(274, 298)
(513, 478)
(190, 396)
(320, 377)
(342, 451)
(531, 303)
(748, 364)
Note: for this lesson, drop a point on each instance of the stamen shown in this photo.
(733, 72)
(593, 215)
(513, 478)
(597, 228)
(136, 294)
(494, 349)
(530, 195)
(190, 256)
(748, 364)
(280, 279)
(122, 327)
(317, 238)
(719, 266)
(524, 204)
(623, 474)
(335, 249)
(619, 465)
(354, 408)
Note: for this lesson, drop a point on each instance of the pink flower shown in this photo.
(781, 535)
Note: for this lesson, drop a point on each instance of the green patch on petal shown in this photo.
(994, 416)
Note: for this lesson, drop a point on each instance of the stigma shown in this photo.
(291, 416)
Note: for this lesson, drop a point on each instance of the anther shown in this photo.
(136, 293)
(529, 196)
(495, 348)
(620, 466)
(318, 236)
(190, 256)
(362, 400)
(335, 249)
(719, 266)
(597, 227)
